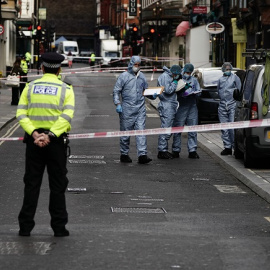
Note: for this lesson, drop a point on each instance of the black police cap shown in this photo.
(52, 59)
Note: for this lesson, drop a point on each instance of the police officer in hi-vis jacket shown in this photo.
(45, 110)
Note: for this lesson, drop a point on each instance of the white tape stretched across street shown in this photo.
(157, 131)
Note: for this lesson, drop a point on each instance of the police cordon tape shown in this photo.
(157, 131)
(107, 70)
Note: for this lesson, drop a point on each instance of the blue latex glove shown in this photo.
(175, 81)
(187, 86)
(119, 108)
(155, 96)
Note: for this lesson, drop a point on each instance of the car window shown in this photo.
(210, 78)
(248, 85)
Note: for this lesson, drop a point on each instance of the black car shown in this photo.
(208, 101)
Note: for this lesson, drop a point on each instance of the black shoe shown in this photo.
(62, 233)
(193, 155)
(164, 155)
(175, 154)
(125, 159)
(226, 152)
(144, 159)
(24, 233)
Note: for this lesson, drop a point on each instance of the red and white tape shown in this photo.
(157, 131)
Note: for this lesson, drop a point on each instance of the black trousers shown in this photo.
(22, 85)
(15, 96)
(54, 158)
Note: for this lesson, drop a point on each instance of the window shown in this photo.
(248, 85)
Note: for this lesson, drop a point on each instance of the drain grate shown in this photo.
(86, 156)
(229, 189)
(84, 161)
(97, 115)
(138, 210)
(147, 200)
(23, 248)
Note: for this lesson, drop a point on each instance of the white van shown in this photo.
(65, 47)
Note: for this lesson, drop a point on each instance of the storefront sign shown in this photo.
(132, 7)
(215, 28)
(239, 35)
(199, 10)
(42, 13)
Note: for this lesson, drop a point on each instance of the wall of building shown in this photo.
(174, 51)
(73, 20)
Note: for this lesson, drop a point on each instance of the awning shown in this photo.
(182, 29)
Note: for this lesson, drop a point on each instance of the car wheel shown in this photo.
(248, 161)
(237, 153)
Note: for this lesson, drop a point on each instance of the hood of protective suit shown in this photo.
(167, 70)
(134, 59)
(225, 65)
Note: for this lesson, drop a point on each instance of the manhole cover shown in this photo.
(139, 210)
(23, 248)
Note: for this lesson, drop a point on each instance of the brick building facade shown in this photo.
(73, 20)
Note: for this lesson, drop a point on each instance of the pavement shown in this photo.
(257, 180)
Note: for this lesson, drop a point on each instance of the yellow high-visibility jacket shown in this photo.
(46, 103)
(28, 56)
(24, 66)
(93, 57)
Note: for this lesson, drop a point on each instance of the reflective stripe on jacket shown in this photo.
(46, 103)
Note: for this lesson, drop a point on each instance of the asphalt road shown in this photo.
(169, 214)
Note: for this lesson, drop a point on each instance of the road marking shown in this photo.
(153, 115)
(229, 189)
(147, 107)
(267, 218)
(25, 248)
(10, 131)
(76, 190)
(200, 179)
(251, 171)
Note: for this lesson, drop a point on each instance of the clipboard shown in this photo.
(150, 91)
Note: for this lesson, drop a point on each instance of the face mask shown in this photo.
(186, 76)
(227, 73)
(135, 69)
(176, 77)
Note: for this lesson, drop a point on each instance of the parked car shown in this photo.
(252, 144)
(208, 102)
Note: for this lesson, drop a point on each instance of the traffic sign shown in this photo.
(2, 29)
